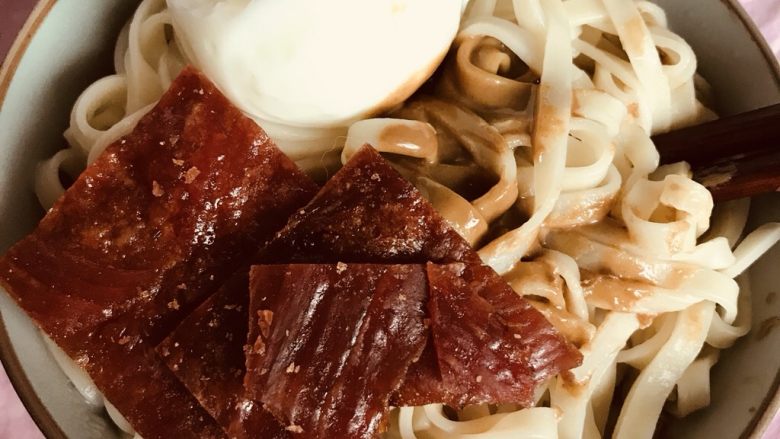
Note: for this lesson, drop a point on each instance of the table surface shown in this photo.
(14, 420)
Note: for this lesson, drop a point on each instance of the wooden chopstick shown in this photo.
(734, 157)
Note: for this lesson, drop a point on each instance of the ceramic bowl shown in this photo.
(67, 44)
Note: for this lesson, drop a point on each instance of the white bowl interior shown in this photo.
(75, 43)
(747, 374)
(72, 48)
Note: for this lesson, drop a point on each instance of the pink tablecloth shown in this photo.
(16, 423)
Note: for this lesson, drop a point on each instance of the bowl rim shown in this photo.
(10, 361)
(763, 417)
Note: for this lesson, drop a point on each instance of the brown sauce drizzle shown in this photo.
(400, 138)
(477, 101)
(485, 75)
(574, 329)
(612, 292)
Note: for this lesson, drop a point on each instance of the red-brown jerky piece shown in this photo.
(206, 351)
(353, 197)
(252, 421)
(336, 341)
(145, 234)
(492, 346)
(368, 213)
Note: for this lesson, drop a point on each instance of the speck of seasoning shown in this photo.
(221, 157)
(191, 175)
(291, 368)
(201, 92)
(125, 340)
(340, 267)
(517, 336)
(173, 304)
(157, 190)
(286, 332)
(245, 405)
(479, 378)
(294, 429)
(176, 344)
(82, 360)
(376, 177)
(182, 286)
(259, 347)
(162, 142)
(297, 368)
(178, 162)
(263, 371)
(213, 323)
(266, 317)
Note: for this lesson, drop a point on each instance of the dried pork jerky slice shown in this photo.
(368, 213)
(145, 234)
(206, 351)
(336, 340)
(252, 421)
(366, 182)
(492, 346)
(423, 383)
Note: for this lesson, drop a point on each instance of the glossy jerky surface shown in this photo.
(145, 234)
(367, 180)
(207, 354)
(491, 346)
(252, 421)
(368, 213)
(335, 341)
(206, 351)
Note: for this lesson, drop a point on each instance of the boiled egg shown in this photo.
(316, 63)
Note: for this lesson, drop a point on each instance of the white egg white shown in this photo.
(313, 62)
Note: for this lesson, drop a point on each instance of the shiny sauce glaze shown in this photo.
(491, 346)
(143, 236)
(368, 213)
(206, 351)
(335, 341)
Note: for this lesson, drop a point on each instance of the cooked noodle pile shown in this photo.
(533, 141)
